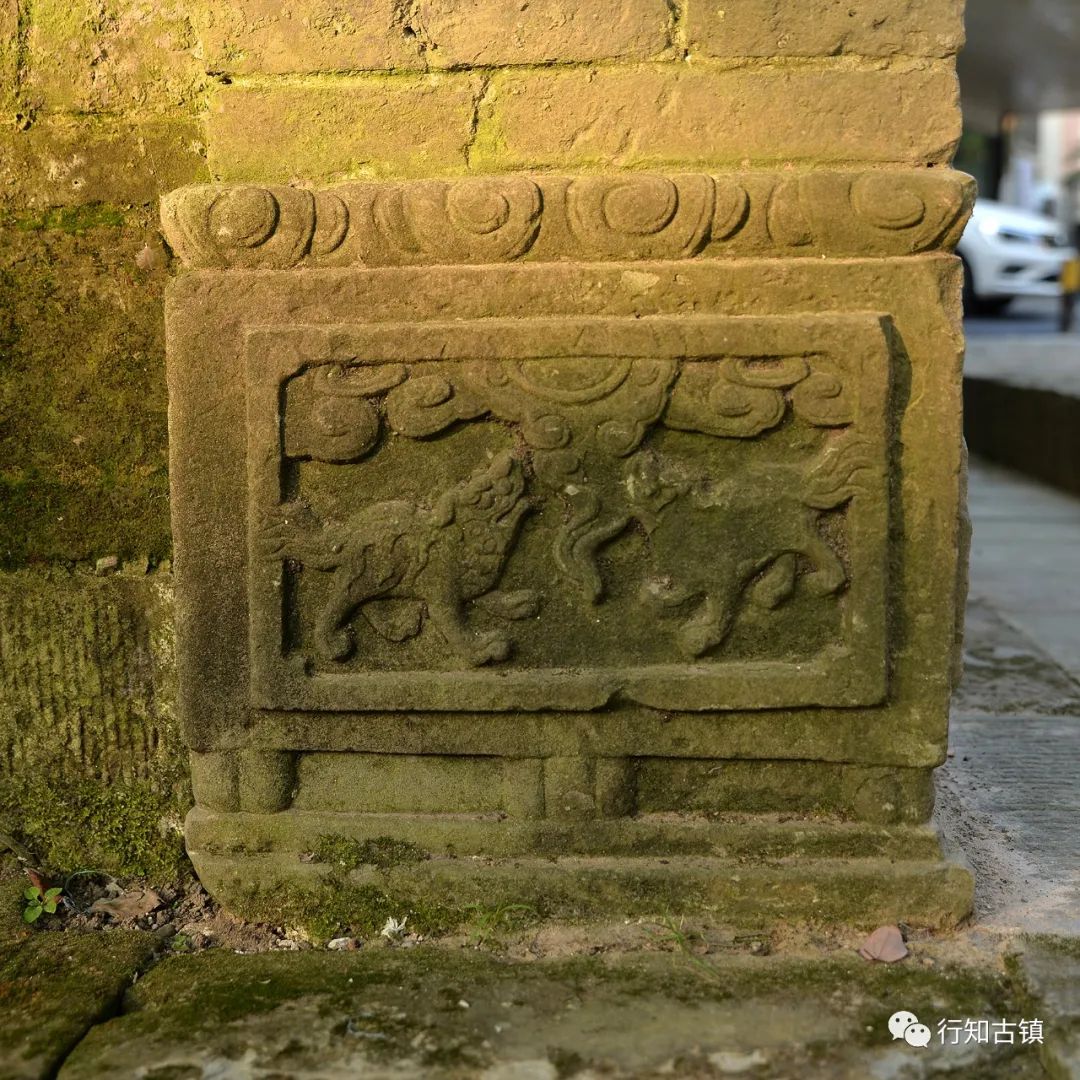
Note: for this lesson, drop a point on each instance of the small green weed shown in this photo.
(40, 903)
(485, 922)
(672, 933)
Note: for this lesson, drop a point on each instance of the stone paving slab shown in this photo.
(1050, 969)
(439, 1013)
(1007, 796)
(54, 987)
(1025, 559)
(1027, 767)
(1007, 674)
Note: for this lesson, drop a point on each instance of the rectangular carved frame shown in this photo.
(851, 674)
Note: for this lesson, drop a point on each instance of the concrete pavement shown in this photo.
(1009, 796)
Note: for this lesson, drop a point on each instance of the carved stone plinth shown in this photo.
(605, 527)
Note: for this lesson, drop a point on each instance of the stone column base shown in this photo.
(745, 871)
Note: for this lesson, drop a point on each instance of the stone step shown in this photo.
(743, 836)
(438, 894)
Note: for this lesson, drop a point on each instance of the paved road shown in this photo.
(1008, 796)
(1020, 318)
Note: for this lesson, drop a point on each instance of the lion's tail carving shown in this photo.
(841, 473)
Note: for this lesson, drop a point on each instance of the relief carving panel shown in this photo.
(690, 513)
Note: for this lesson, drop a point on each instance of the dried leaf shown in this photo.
(21, 853)
(151, 257)
(885, 944)
(36, 880)
(128, 906)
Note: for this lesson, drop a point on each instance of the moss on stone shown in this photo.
(121, 58)
(60, 161)
(337, 905)
(92, 771)
(1053, 943)
(55, 986)
(128, 828)
(69, 219)
(13, 882)
(82, 391)
(408, 1005)
(381, 851)
(445, 893)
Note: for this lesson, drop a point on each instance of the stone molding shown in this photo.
(541, 217)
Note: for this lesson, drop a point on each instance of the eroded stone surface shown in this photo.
(83, 390)
(389, 1013)
(435, 573)
(268, 37)
(402, 126)
(772, 28)
(806, 662)
(581, 117)
(200, 362)
(137, 57)
(552, 517)
(54, 987)
(62, 162)
(1050, 971)
(636, 117)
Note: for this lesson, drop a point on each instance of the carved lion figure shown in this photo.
(717, 544)
(437, 559)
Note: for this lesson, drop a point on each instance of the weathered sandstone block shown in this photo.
(771, 28)
(549, 217)
(136, 56)
(492, 33)
(696, 115)
(9, 55)
(263, 37)
(82, 381)
(75, 161)
(271, 37)
(405, 125)
(385, 126)
(553, 518)
(92, 766)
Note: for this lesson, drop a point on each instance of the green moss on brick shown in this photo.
(128, 829)
(82, 391)
(70, 219)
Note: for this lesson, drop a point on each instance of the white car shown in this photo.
(1009, 252)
